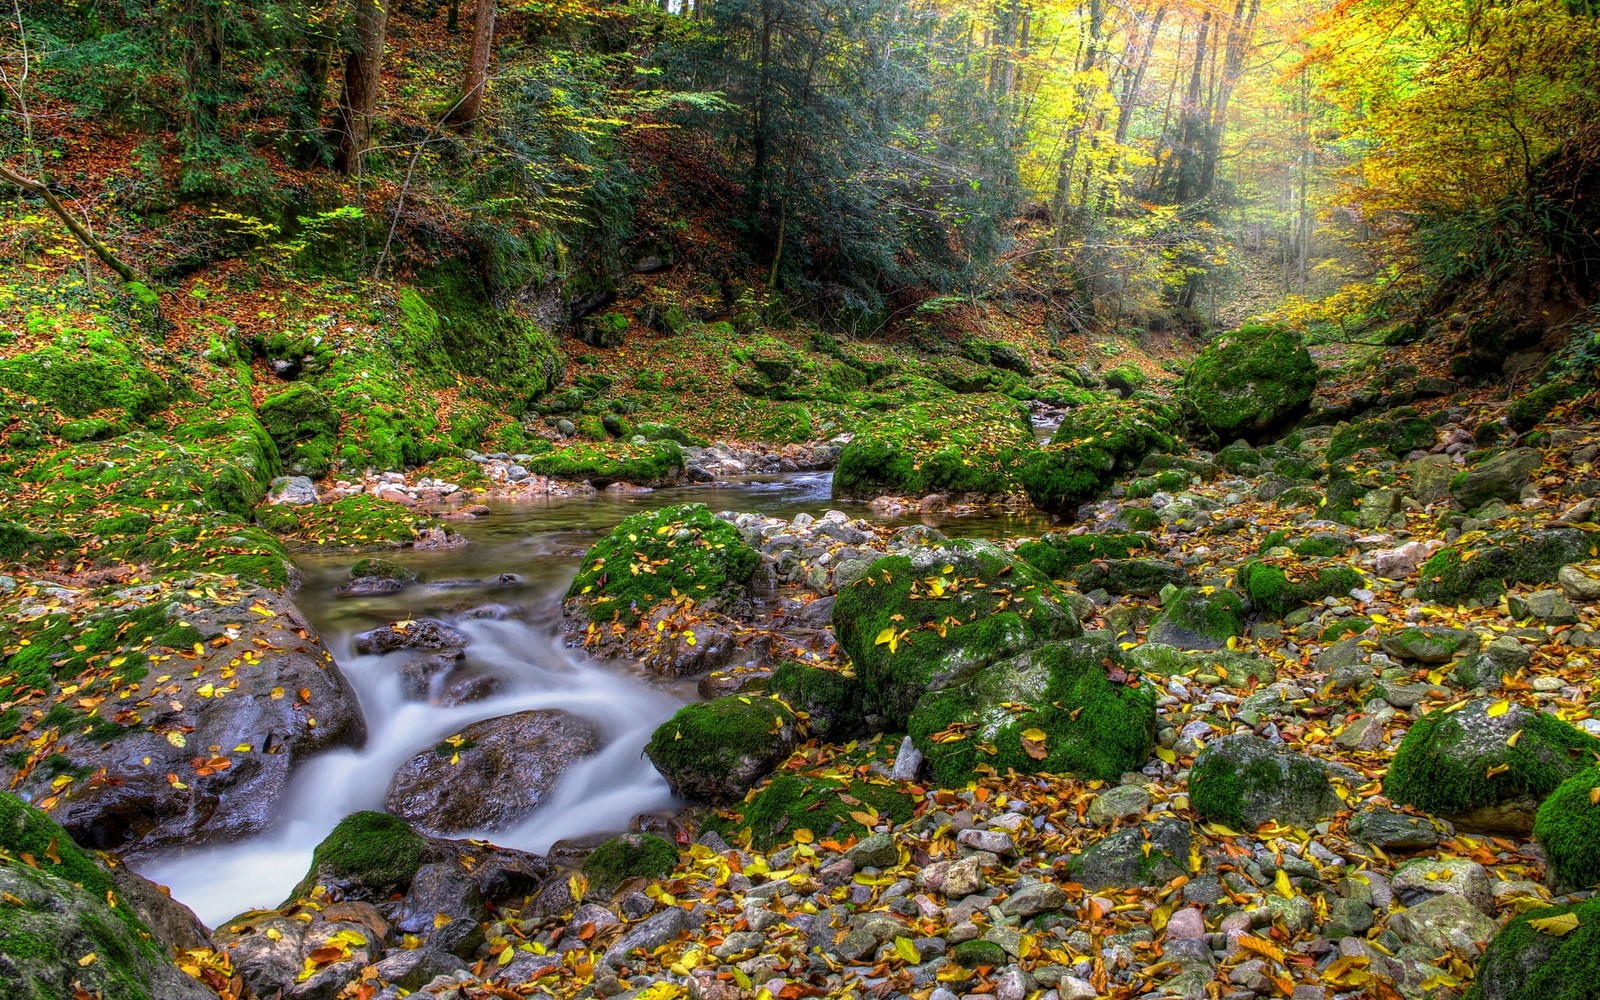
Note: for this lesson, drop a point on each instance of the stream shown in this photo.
(543, 543)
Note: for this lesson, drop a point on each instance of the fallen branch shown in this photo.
(126, 273)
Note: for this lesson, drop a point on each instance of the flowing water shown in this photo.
(542, 543)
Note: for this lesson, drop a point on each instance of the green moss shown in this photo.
(1397, 437)
(361, 521)
(1149, 486)
(831, 698)
(1138, 519)
(1484, 569)
(1272, 592)
(967, 446)
(304, 428)
(61, 646)
(1220, 789)
(1058, 554)
(105, 375)
(1250, 381)
(972, 606)
(715, 738)
(632, 855)
(1217, 616)
(792, 802)
(1239, 458)
(657, 556)
(658, 464)
(1126, 380)
(1093, 727)
(1144, 577)
(1568, 830)
(1092, 444)
(369, 855)
(1429, 773)
(383, 569)
(1523, 963)
(1320, 546)
(978, 953)
(18, 541)
(26, 830)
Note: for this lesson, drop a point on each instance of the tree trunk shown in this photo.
(99, 249)
(470, 106)
(452, 20)
(202, 65)
(363, 72)
(1194, 123)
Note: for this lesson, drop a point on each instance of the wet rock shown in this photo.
(1193, 619)
(421, 633)
(269, 950)
(291, 705)
(660, 929)
(1428, 645)
(716, 751)
(1490, 665)
(492, 773)
(1549, 607)
(1032, 900)
(445, 908)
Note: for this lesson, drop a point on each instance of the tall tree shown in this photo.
(470, 105)
(363, 74)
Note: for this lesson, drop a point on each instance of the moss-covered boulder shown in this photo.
(1147, 855)
(1243, 780)
(1140, 577)
(1250, 382)
(833, 700)
(1480, 569)
(1091, 446)
(1053, 709)
(368, 856)
(934, 617)
(715, 751)
(1501, 477)
(1272, 591)
(676, 553)
(1567, 827)
(967, 446)
(827, 807)
(1125, 380)
(1231, 668)
(1525, 962)
(305, 428)
(1398, 437)
(68, 928)
(1059, 554)
(628, 856)
(105, 374)
(657, 464)
(1464, 765)
(1199, 618)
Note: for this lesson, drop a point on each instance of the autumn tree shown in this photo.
(470, 105)
(363, 72)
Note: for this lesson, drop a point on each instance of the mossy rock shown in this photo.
(654, 465)
(675, 552)
(971, 446)
(998, 354)
(1397, 437)
(1141, 577)
(105, 375)
(979, 953)
(369, 856)
(716, 751)
(628, 856)
(1272, 592)
(373, 567)
(1244, 781)
(360, 521)
(1152, 854)
(1092, 725)
(1459, 766)
(304, 427)
(1484, 568)
(1239, 458)
(1199, 618)
(1161, 482)
(1567, 827)
(824, 806)
(932, 618)
(1234, 669)
(90, 429)
(1250, 382)
(833, 700)
(1524, 963)
(1125, 380)
(1059, 554)
(1091, 446)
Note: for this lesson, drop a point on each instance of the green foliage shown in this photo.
(676, 552)
(102, 374)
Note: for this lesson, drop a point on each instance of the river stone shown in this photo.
(1422, 879)
(1245, 781)
(1549, 607)
(1122, 803)
(1428, 645)
(500, 771)
(1490, 665)
(1431, 476)
(269, 950)
(1444, 922)
(1500, 478)
(133, 808)
(295, 491)
(1152, 854)
(422, 633)
(1580, 583)
(660, 929)
(1393, 831)
(1032, 900)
